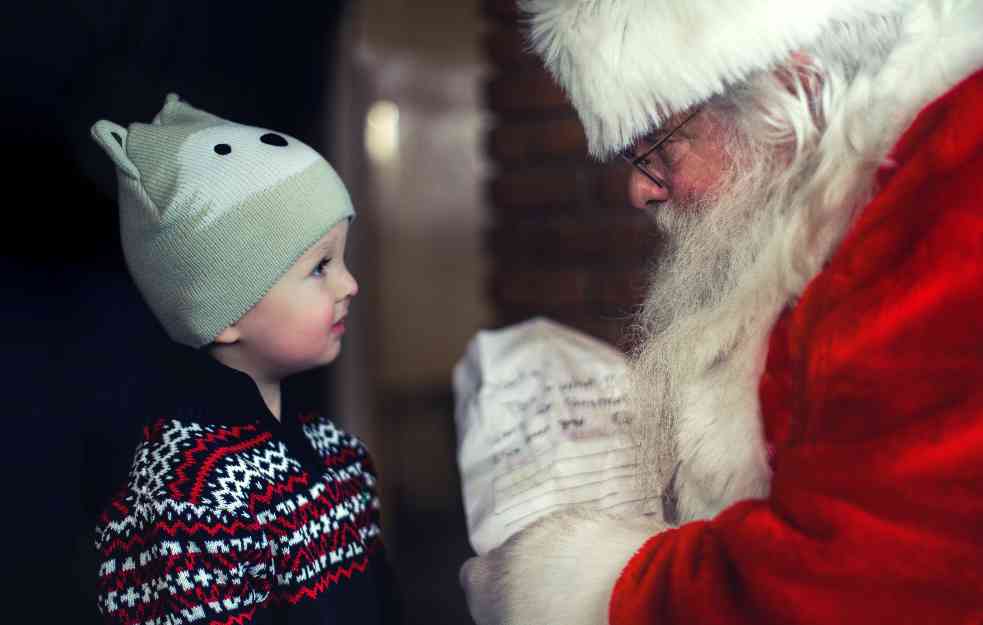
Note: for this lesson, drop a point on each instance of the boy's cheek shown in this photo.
(306, 339)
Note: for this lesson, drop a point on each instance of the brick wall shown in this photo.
(563, 241)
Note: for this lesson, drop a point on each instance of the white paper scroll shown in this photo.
(540, 412)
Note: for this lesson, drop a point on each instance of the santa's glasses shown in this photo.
(642, 162)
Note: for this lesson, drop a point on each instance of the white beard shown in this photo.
(702, 336)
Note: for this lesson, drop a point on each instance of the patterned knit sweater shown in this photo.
(230, 516)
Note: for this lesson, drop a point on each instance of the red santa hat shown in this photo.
(629, 64)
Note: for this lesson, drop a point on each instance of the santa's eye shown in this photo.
(667, 149)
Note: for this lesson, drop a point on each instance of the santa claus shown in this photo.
(810, 369)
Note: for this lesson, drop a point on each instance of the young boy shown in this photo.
(241, 506)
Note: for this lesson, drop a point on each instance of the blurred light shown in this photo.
(382, 131)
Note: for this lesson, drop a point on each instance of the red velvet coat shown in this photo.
(873, 402)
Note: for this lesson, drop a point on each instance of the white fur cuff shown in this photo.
(559, 571)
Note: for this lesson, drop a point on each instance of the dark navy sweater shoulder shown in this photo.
(230, 516)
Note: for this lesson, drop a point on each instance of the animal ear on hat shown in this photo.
(176, 111)
(112, 138)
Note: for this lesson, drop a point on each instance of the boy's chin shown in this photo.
(282, 370)
(322, 360)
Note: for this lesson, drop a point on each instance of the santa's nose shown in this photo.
(645, 190)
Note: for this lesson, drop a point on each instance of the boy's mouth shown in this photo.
(338, 327)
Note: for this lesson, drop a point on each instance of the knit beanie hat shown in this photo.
(212, 213)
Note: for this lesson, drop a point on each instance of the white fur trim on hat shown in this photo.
(629, 64)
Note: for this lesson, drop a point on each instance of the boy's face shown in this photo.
(299, 322)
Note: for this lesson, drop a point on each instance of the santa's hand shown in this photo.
(558, 571)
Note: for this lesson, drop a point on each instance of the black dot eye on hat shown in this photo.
(271, 138)
(223, 148)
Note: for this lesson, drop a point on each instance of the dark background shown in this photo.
(77, 337)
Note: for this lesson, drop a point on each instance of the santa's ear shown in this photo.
(112, 138)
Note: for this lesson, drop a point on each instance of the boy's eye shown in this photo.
(319, 270)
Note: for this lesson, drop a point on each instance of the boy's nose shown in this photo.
(351, 286)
